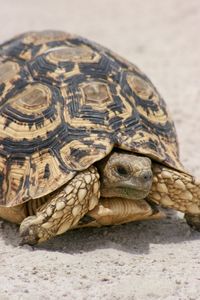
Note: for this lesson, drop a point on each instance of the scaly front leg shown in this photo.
(63, 209)
(177, 190)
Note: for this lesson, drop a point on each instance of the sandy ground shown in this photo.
(147, 260)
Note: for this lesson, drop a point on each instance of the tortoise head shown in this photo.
(125, 175)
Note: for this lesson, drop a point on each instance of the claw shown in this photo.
(29, 231)
(193, 221)
(28, 235)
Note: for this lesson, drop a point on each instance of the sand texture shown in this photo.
(146, 260)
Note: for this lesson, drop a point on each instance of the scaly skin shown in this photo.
(176, 190)
(64, 209)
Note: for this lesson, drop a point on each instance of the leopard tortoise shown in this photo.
(85, 139)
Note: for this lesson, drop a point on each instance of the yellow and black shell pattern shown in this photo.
(65, 102)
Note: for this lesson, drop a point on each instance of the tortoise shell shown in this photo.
(65, 102)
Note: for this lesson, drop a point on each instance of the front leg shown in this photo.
(177, 190)
(63, 209)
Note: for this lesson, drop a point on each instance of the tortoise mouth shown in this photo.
(125, 192)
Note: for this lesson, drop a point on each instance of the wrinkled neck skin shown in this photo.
(125, 175)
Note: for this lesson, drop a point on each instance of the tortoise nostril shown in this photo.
(147, 176)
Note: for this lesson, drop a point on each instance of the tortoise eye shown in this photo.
(121, 170)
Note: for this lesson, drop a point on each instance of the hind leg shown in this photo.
(63, 209)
